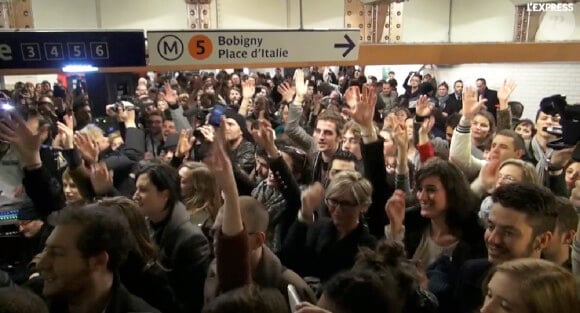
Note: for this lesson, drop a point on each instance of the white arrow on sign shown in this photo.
(252, 47)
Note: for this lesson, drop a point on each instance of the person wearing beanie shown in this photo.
(240, 141)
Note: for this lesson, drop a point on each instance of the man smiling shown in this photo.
(520, 225)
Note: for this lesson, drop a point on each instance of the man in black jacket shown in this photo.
(78, 266)
(484, 93)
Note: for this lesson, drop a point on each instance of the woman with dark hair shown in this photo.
(140, 273)
(482, 131)
(183, 248)
(443, 231)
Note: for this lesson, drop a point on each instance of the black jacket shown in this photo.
(123, 162)
(468, 296)
(244, 156)
(149, 283)
(184, 251)
(453, 104)
(315, 250)
(121, 301)
(492, 100)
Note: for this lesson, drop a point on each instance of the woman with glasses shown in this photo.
(327, 246)
(510, 171)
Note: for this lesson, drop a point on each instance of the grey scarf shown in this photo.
(541, 157)
(441, 101)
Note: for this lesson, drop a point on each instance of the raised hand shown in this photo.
(300, 83)
(66, 134)
(220, 163)
(427, 126)
(14, 130)
(184, 144)
(264, 136)
(87, 147)
(400, 136)
(169, 95)
(101, 179)
(395, 209)
(503, 94)
(423, 107)
(489, 174)
(287, 91)
(248, 88)
(208, 133)
(471, 104)
(364, 109)
(311, 198)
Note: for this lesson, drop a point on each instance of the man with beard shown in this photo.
(520, 225)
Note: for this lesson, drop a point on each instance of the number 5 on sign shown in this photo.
(200, 47)
(99, 50)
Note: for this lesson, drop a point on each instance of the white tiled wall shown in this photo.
(535, 80)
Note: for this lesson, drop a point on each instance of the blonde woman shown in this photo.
(530, 286)
(200, 193)
(327, 246)
(510, 171)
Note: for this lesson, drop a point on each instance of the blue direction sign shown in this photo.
(56, 49)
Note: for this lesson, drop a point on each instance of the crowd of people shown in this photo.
(311, 192)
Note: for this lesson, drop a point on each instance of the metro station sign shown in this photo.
(252, 47)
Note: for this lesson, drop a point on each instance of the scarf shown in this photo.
(540, 157)
(441, 101)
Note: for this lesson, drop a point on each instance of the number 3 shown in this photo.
(31, 52)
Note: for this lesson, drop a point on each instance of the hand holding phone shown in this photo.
(216, 114)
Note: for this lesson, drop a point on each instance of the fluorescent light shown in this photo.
(79, 68)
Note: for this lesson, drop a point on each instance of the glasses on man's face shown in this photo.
(335, 203)
(507, 178)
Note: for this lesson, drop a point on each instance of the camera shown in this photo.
(569, 129)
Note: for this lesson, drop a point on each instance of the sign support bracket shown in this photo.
(301, 17)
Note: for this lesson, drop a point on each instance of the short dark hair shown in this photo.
(519, 143)
(101, 232)
(343, 155)
(163, 177)
(517, 109)
(457, 81)
(537, 202)
(482, 80)
(567, 216)
(362, 291)
(332, 116)
(20, 300)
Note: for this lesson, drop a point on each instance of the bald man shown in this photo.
(267, 271)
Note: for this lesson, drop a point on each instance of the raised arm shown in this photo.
(248, 91)
(504, 114)
(293, 128)
(232, 239)
(460, 148)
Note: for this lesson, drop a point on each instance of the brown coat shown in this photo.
(269, 273)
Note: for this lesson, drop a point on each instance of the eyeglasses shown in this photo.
(334, 203)
(508, 178)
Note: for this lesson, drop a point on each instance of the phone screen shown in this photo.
(216, 114)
